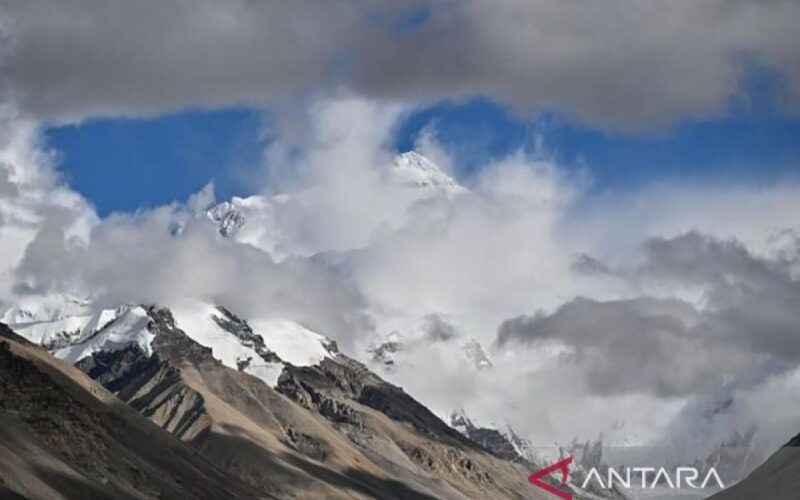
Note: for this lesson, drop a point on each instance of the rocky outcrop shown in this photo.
(335, 383)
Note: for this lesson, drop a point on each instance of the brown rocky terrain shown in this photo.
(329, 431)
(63, 436)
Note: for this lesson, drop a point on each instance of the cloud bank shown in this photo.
(619, 63)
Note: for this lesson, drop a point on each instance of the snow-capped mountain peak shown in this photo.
(264, 220)
(228, 217)
(414, 170)
(126, 326)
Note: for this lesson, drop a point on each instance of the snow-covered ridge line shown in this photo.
(57, 321)
(263, 349)
(128, 328)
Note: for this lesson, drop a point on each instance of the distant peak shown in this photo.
(414, 157)
(415, 170)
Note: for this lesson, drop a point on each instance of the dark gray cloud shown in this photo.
(747, 327)
(630, 346)
(72, 59)
(721, 264)
(753, 297)
(589, 266)
(624, 63)
(619, 62)
(8, 189)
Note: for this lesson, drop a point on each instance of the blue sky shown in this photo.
(125, 164)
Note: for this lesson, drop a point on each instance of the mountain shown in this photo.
(64, 436)
(777, 479)
(271, 221)
(276, 408)
(272, 405)
(413, 170)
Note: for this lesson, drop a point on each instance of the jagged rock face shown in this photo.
(339, 389)
(334, 382)
(227, 218)
(242, 331)
(150, 386)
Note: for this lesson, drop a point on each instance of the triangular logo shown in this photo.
(536, 478)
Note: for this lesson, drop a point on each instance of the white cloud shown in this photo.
(354, 255)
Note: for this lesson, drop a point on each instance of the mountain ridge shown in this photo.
(333, 426)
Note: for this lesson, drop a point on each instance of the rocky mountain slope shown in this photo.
(333, 429)
(329, 429)
(64, 436)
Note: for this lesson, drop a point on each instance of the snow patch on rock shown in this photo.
(293, 343)
(290, 342)
(197, 320)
